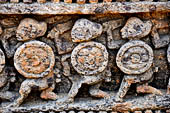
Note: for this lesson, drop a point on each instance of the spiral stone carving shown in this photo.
(134, 57)
(89, 58)
(34, 59)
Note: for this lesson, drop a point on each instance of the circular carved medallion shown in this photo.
(134, 57)
(34, 59)
(89, 58)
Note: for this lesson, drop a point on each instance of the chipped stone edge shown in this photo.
(74, 8)
(141, 103)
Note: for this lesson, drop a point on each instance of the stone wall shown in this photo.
(100, 62)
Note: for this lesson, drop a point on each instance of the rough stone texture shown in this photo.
(9, 41)
(138, 112)
(141, 88)
(34, 59)
(134, 57)
(64, 43)
(108, 88)
(135, 28)
(85, 30)
(160, 30)
(29, 29)
(89, 58)
(168, 88)
(100, 8)
(161, 68)
(148, 111)
(61, 34)
(2, 60)
(168, 54)
(112, 29)
(9, 22)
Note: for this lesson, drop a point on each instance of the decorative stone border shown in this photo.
(99, 8)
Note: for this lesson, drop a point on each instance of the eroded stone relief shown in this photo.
(104, 60)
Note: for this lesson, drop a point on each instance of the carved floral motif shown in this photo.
(89, 58)
(34, 59)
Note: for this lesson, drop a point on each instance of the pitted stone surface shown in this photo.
(30, 29)
(160, 32)
(134, 57)
(3, 80)
(84, 30)
(168, 54)
(71, 90)
(2, 60)
(89, 58)
(34, 59)
(135, 28)
(1, 31)
(3, 77)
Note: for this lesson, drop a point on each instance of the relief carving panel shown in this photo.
(91, 63)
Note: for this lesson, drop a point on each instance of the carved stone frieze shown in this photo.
(103, 63)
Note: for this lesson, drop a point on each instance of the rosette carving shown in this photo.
(89, 58)
(34, 59)
(134, 57)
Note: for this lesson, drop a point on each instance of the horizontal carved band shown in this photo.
(100, 8)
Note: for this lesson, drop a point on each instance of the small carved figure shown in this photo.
(35, 60)
(7, 76)
(29, 29)
(62, 37)
(112, 28)
(135, 28)
(135, 58)
(90, 60)
(160, 31)
(85, 30)
(9, 41)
